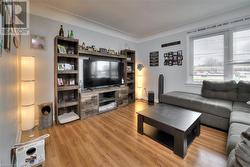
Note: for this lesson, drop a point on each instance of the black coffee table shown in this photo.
(178, 124)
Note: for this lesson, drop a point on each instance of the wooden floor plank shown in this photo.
(111, 140)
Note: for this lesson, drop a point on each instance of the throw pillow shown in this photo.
(239, 157)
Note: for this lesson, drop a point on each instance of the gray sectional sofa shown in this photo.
(223, 105)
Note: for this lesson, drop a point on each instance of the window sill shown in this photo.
(193, 84)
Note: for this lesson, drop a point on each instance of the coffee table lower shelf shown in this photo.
(176, 140)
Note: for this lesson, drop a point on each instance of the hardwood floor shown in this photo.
(111, 139)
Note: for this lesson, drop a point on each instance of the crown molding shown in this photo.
(241, 12)
(43, 10)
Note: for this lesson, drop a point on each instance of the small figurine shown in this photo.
(71, 34)
(61, 32)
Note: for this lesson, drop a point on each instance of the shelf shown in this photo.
(74, 56)
(132, 91)
(68, 72)
(94, 53)
(68, 117)
(67, 104)
(107, 100)
(128, 51)
(130, 82)
(65, 88)
(130, 62)
(67, 39)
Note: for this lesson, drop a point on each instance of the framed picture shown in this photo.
(6, 25)
(37, 42)
(173, 58)
(1, 45)
(154, 58)
(61, 67)
(61, 49)
(72, 82)
(60, 82)
(68, 66)
(129, 69)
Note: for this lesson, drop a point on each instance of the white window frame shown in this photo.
(228, 52)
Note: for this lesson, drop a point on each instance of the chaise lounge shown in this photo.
(223, 105)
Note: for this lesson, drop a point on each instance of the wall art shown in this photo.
(37, 42)
(171, 44)
(173, 58)
(154, 58)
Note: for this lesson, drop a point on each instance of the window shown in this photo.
(221, 56)
(208, 61)
(241, 55)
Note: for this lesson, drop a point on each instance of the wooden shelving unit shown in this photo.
(94, 53)
(130, 73)
(66, 93)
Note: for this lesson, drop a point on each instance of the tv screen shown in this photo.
(98, 72)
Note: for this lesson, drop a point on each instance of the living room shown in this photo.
(125, 83)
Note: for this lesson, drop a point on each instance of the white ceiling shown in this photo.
(142, 18)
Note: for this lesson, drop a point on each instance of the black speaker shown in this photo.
(160, 87)
(45, 115)
(151, 98)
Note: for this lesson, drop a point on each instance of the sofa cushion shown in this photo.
(231, 160)
(240, 117)
(220, 90)
(243, 91)
(196, 102)
(241, 107)
(234, 133)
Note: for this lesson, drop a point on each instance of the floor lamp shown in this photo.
(27, 93)
(139, 80)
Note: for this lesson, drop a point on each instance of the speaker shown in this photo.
(160, 87)
(45, 115)
(151, 98)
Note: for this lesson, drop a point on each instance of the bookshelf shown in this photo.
(130, 73)
(66, 83)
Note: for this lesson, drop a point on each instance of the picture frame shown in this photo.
(129, 69)
(62, 49)
(72, 82)
(7, 36)
(60, 82)
(154, 59)
(37, 42)
(173, 58)
(61, 67)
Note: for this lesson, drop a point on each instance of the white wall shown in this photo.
(8, 104)
(45, 58)
(175, 76)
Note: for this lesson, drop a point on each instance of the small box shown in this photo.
(151, 98)
(31, 154)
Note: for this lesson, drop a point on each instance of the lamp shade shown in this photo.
(28, 93)
(139, 81)
(28, 117)
(27, 68)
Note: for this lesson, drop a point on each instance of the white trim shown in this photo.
(228, 51)
(241, 12)
(191, 48)
(193, 84)
(43, 10)
(19, 136)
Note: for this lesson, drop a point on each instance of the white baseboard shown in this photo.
(19, 136)
(146, 99)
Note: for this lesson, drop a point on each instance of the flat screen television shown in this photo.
(102, 72)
